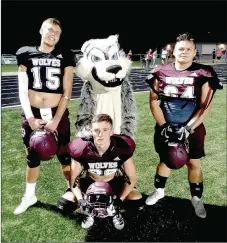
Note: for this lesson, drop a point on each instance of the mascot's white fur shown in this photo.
(104, 68)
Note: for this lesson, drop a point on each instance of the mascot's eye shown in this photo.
(114, 57)
(95, 58)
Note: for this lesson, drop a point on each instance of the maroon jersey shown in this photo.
(180, 91)
(45, 70)
(121, 149)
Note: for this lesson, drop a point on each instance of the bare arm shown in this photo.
(201, 114)
(63, 104)
(75, 171)
(130, 170)
(24, 99)
(154, 106)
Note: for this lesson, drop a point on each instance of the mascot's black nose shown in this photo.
(114, 69)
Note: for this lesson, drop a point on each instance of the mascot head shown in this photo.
(103, 64)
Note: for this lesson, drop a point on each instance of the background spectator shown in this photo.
(149, 57)
(197, 56)
(164, 55)
(130, 54)
(154, 56)
(219, 54)
(213, 55)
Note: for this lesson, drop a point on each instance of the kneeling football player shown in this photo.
(106, 158)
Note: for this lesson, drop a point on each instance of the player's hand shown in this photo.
(182, 133)
(51, 126)
(82, 203)
(166, 132)
(36, 124)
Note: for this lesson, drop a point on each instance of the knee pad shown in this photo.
(68, 207)
(32, 160)
(64, 159)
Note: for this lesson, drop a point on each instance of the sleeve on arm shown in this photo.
(211, 76)
(153, 75)
(129, 147)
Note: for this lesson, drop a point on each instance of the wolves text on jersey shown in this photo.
(46, 62)
(179, 80)
(103, 165)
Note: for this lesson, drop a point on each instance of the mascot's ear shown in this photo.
(86, 45)
(113, 38)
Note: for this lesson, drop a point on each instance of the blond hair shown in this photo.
(52, 21)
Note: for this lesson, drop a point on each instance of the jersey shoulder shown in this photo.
(126, 143)
(25, 50)
(162, 68)
(209, 74)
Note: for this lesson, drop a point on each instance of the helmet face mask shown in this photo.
(99, 198)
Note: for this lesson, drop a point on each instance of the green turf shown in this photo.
(9, 68)
(43, 224)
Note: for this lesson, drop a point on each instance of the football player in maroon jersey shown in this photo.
(106, 157)
(180, 100)
(45, 77)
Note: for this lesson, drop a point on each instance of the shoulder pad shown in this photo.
(208, 72)
(129, 144)
(76, 147)
(22, 50)
(157, 68)
(149, 79)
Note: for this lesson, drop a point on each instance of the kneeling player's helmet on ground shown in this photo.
(44, 144)
(99, 197)
(176, 155)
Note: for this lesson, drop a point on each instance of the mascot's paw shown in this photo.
(84, 134)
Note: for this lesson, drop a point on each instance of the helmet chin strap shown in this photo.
(77, 180)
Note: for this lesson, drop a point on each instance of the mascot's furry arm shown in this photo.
(129, 110)
(85, 111)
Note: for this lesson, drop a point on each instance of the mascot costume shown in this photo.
(104, 68)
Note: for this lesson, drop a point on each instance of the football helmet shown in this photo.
(99, 197)
(44, 144)
(176, 155)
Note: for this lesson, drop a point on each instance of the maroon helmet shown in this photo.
(44, 144)
(176, 155)
(99, 196)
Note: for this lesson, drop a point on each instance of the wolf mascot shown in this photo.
(104, 68)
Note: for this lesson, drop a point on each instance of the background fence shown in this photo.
(10, 95)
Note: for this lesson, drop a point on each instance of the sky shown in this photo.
(140, 24)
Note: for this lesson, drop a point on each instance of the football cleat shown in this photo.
(118, 221)
(26, 202)
(197, 203)
(87, 222)
(155, 196)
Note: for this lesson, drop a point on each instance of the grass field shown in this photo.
(43, 223)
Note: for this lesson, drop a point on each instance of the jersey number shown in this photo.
(53, 82)
(172, 91)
